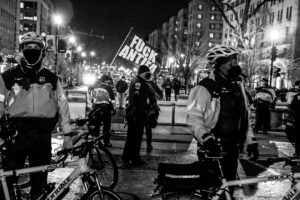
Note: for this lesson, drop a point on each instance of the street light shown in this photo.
(92, 54)
(72, 39)
(57, 20)
(79, 48)
(274, 37)
(83, 54)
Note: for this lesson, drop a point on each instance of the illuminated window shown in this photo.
(200, 7)
(198, 25)
(212, 17)
(197, 43)
(198, 34)
(213, 8)
(21, 5)
(199, 16)
(210, 44)
(211, 35)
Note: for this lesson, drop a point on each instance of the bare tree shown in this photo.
(240, 25)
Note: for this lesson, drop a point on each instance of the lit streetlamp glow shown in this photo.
(83, 54)
(72, 39)
(92, 53)
(57, 19)
(79, 48)
(274, 35)
(171, 59)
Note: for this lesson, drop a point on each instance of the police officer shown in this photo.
(217, 110)
(294, 109)
(264, 101)
(104, 99)
(140, 98)
(33, 96)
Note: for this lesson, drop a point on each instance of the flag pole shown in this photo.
(120, 48)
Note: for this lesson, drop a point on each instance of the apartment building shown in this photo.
(279, 17)
(34, 15)
(8, 10)
(205, 25)
(155, 39)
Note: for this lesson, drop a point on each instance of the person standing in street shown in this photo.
(264, 102)
(168, 89)
(152, 115)
(218, 109)
(140, 100)
(294, 109)
(176, 87)
(104, 99)
(34, 98)
(121, 87)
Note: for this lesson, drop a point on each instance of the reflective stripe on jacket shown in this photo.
(38, 95)
(203, 110)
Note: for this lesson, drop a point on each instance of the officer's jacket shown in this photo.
(203, 110)
(35, 95)
(265, 94)
(140, 98)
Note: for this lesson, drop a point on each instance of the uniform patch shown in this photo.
(42, 79)
(137, 86)
(1, 98)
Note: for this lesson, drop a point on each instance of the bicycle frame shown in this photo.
(290, 194)
(80, 168)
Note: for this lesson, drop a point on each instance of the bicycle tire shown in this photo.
(105, 166)
(93, 194)
(24, 180)
(182, 196)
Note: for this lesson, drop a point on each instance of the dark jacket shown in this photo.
(121, 86)
(176, 84)
(167, 85)
(140, 99)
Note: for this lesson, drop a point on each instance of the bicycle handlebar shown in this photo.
(292, 161)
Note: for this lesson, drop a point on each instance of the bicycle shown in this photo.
(91, 184)
(216, 193)
(100, 159)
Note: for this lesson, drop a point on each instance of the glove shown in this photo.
(252, 150)
(210, 144)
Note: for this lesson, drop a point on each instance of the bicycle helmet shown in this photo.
(32, 37)
(220, 51)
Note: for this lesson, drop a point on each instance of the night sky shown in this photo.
(113, 19)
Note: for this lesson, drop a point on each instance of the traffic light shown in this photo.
(277, 72)
(75, 57)
(273, 53)
(62, 45)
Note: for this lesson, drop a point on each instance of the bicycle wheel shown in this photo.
(24, 180)
(105, 165)
(94, 194)
(182, 196)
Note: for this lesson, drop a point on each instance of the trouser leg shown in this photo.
(14, 158)
(39, 154)
(148, 135)
(129, 143)
(107, 125)
(137, 142)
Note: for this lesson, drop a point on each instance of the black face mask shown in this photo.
(234, 72)
(32, 56)
(147, 76)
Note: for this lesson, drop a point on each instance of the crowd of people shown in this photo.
(218, 109)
